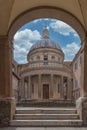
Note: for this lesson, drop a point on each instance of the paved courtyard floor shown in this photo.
(43, 128)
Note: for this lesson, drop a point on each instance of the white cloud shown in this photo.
(62, 27)
(38, 20)
(27, 34)
(70, 50)
(23, 40)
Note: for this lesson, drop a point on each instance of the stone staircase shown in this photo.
(46, 116)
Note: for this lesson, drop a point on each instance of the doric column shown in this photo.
(51, 86)
(26, 89)
(68, 89)
(61, 89)
(29, 87)
(22, 89)
(39, 86)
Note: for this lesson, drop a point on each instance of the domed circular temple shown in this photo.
(45, 76)
(45, 43)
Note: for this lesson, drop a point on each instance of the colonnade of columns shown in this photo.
(65, 88)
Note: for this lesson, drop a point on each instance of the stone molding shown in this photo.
(81, 105)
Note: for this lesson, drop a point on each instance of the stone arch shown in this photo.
(47, 12)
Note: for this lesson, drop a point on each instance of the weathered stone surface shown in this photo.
(84, 111)
(81, 106)
(5, 109)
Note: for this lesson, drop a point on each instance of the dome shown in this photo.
(46, 42)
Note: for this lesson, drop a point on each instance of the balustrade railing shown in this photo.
(45, 64)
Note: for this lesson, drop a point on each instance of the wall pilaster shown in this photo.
(61, 89)
(5, 67)
(22, 89)
(39, 86)
(69, 89)
(7, 101)
(29, 87)
(51, 87)
(81, 103)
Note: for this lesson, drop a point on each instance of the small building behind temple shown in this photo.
(47, 76)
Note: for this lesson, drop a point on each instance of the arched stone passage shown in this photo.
(6, 50)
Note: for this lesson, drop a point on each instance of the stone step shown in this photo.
(28, 110)
(46, 116)
(46, 123)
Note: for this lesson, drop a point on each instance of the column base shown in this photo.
(81, 105)
(7, 109)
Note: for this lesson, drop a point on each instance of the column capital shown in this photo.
(4, 39)
(3, 36)
(5, 42)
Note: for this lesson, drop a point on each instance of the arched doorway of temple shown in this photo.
(45, 91)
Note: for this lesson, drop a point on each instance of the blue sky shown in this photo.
(59, 31)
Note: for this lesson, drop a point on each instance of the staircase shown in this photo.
(46, 116)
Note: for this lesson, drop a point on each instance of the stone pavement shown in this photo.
(43, 128)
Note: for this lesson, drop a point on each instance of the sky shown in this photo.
(59, 31)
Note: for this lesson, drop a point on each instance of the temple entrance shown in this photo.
(45, 91)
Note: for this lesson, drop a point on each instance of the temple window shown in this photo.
(45, 57)
(45, 60)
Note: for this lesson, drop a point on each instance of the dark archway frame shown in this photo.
(46, 12)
